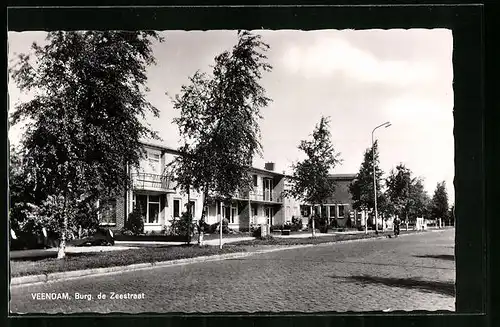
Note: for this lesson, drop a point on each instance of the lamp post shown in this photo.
(386, 124)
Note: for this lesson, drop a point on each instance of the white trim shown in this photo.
(146, 219)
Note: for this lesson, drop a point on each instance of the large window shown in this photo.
(148, 206)
(154, 162)
(153, 209)
(177, 208)
(107, 212)
(254, 178)
(254, 210)
(192, 205)
(305, 211)
(341, 210)
(332, 211)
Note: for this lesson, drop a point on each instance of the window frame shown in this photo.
(178, 207)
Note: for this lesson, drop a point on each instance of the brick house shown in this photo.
(160, 201)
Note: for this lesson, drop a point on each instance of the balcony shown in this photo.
(152, 182)
(261, 196)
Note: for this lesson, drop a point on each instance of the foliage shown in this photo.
(311, 182)
(297, 224)
(183, 226)
(255, 231)
(439, 206)
(406, 194)
(219, 118)
(361, 188)
(135, 222)
(84, 120)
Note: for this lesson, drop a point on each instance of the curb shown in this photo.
(75, 274)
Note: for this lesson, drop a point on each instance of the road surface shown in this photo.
(413, 272)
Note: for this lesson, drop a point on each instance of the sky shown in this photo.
(359, 78)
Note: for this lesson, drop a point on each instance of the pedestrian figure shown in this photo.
(397, 223)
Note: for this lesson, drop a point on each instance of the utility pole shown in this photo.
(386, 124)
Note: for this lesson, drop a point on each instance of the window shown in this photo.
(305, 211)
(153, 162)
(107, 212)
(177, 208)
(254, 210)
(288, 212)
(255, 182)
(153, 209)
(332, 211)
(341, 210)
(234, 213)
(192, 206)
(148, 206)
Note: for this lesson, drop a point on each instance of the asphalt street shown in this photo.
(414, 272)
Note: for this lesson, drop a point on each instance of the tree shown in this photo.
(439, 206)
(361, 188)
(452, 215)
(219, 122)
(406, 193)
(84, 119)
(311, 182)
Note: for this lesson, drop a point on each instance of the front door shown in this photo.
(269, 215)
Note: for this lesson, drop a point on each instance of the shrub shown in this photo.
(134, 223)
(127, 232)
(276, 228)
(183, 226)
(225, 226)
(297, 224)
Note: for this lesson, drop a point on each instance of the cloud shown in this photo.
(330, 55)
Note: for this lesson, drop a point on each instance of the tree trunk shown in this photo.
(366, 221)
(312, 222)
(220, 226)
(190, 213)
(62, 245)
(406, 222)
(202, 220)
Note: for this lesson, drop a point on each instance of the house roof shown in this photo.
(255, 169)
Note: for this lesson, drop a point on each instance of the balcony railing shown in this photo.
(265, 196)
(147, 181)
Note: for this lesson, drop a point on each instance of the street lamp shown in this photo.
(386, 124)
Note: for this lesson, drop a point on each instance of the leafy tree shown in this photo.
(439, 206)
(361, 188)
(311, 182)
(406, 193)
(85, 117)
(419, 199)
(219, 122)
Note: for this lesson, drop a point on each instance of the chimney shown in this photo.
(269, 166)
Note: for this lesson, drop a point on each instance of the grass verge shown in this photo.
(314, 240)
(80, 261)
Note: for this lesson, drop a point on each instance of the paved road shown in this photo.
(414, 272)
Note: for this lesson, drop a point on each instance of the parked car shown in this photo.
(101, 237)
(36, 240)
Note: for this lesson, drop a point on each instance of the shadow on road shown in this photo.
(445, 288)
(450, 257)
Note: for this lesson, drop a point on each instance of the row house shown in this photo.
(339, 206)
(160, 201)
